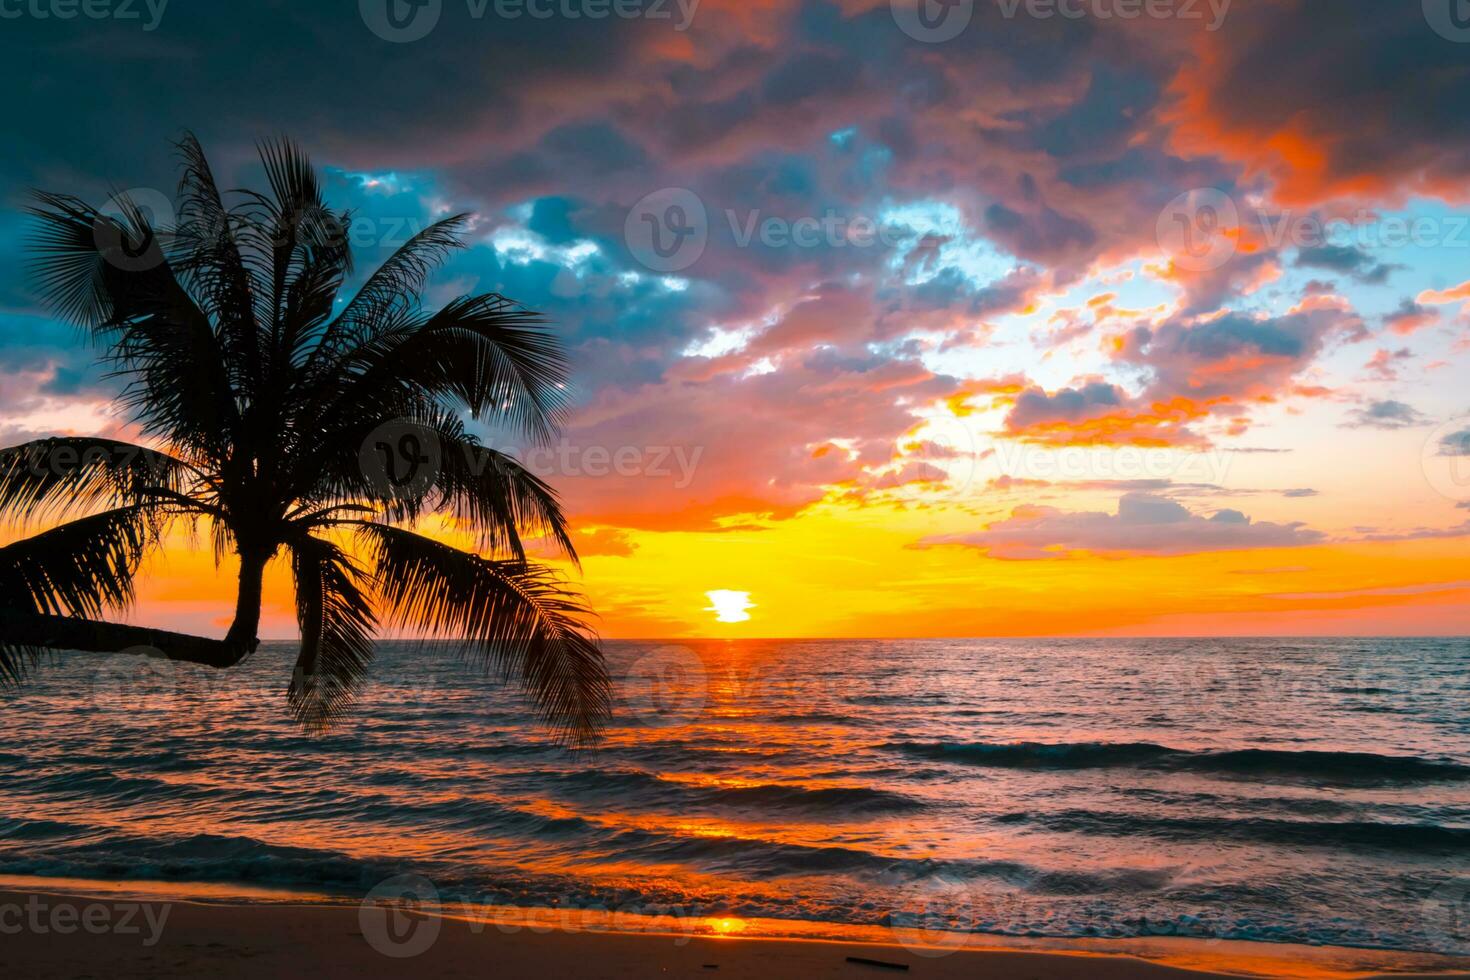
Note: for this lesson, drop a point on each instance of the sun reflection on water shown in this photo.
(726, 925)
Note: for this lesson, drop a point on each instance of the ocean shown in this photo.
(1290, 790)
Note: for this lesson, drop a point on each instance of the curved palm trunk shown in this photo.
(96, 636)
(27, 629)
(242, 634)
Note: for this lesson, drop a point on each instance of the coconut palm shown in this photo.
(290, 423)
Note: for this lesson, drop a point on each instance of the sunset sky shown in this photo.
(1062, 324)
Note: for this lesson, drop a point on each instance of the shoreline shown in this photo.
(231, 930)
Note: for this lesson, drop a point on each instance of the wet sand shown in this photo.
(210, 936)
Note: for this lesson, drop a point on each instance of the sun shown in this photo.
(729, 606)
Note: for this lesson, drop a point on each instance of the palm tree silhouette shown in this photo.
(294, 424)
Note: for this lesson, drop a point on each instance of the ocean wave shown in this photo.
(1222, 818)
(201, 857)
(813, 718)
(638, 787)
(767, 859)
(1035, 755)
(1352, 767)
(1407, 837)
(108, 785)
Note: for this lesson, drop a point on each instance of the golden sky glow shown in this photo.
(1028, 404)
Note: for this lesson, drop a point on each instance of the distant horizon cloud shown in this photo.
(1144, 524)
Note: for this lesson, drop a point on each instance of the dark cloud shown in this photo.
(1455, 444)
(1386, 414)
(1346, 259)
(1380, 107)
(1409, 317)
(1036, 407)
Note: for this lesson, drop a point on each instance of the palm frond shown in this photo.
(82, 568)
(77, 251)
(497, 357)
(515, 617)
(210, 262)
(337, 622)
(394, 285)
(493, 494)
(499, 499)
(51, 479)
(157, 336)
(301, 223)
(223, 329)
(486, 353)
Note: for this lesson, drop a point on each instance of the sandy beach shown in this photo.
(129, 930)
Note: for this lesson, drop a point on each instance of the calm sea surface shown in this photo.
(1289, 790)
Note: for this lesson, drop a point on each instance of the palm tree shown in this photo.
(270, 398)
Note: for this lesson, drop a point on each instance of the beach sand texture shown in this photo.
(312, 942)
